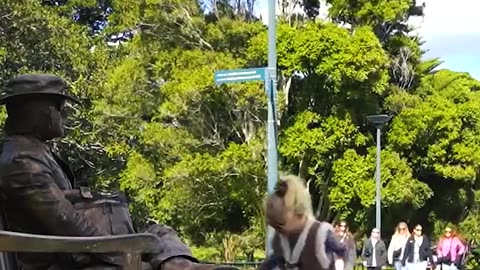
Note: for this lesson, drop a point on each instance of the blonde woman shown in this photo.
(397, 245)
(300, 242)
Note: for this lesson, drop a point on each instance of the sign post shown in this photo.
(265, 75)
(269, 76)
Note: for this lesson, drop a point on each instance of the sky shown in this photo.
(450, 31)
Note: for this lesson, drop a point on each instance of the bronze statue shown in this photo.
(33, 184)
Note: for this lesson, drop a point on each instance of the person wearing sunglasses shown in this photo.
(450, 249)
(397, 245)
(417, 251)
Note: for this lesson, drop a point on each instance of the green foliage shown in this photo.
(206, 254)
(329, 51)
(369, 12)
(213, 186)
(440, 133)
(354, 187)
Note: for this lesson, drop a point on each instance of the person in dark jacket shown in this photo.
(418, 251)
(374, 252)
(33, 184)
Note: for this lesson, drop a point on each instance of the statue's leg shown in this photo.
(174, 254)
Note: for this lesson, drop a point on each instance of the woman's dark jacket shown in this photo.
(425, 250)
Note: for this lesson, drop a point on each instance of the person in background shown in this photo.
(344, 236)
(374, 252)
(397, 245)
(417, 251)
(450, 249)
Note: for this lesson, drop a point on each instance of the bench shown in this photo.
(132, 246)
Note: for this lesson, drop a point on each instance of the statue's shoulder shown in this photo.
(22, 147)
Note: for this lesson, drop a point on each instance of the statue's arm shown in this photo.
(30, 183)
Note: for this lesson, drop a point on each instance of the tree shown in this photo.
(437, 134)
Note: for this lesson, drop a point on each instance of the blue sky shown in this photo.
(451, 32)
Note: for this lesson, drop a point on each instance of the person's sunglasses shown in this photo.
(402, 229)
(418, 230)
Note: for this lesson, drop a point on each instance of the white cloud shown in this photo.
(451, 33)
(447, 17)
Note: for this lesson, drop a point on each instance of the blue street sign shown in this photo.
(240, 75)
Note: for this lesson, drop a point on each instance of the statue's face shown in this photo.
(52, 117)
(41, 116)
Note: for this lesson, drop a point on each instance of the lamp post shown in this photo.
(378, 121)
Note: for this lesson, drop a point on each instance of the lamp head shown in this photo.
(378, 119)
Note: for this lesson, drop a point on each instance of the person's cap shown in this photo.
(36, 84)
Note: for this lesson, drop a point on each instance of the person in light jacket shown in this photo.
(450, 250)
(418, 251)
(397, 245)
(374, 252)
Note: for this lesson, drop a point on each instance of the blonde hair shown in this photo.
(397, 229)
(295, 195)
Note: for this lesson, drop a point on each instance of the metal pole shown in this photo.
(378, 184)
(272, 97)
(270, 88)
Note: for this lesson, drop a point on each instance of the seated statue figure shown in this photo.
(300, 242)
(34, 181)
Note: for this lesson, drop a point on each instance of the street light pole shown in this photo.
(378, 120)
(378, 183)
(270, 89)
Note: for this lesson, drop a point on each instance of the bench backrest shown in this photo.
(132, 246)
